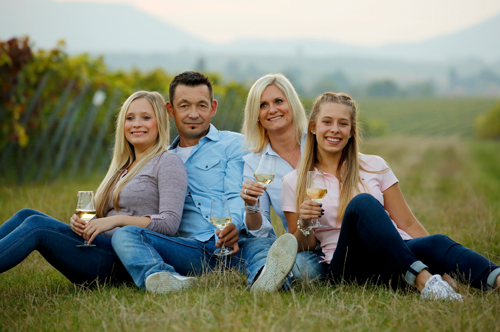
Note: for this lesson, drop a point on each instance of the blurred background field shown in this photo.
(57, 111)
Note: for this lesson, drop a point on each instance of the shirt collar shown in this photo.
(213, 135)
(269, 150)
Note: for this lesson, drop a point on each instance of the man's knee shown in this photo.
(124, 235)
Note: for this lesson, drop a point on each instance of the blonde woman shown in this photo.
(274, 124)
(144, 186)
(370, 233)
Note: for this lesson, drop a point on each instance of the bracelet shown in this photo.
(250, 209)
(307, 231)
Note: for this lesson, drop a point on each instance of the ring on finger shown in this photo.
(245, 192)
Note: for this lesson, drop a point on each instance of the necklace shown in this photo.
(293, 152)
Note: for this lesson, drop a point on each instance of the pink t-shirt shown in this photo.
(376, 183)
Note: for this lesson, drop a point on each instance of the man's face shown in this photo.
(191, 110)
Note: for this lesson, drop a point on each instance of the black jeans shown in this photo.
(370, 248)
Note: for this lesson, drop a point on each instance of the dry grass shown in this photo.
(448, 184)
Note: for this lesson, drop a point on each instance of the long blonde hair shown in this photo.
(123, 151)
(348, 168)
(255, 135)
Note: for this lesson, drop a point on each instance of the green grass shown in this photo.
(452, 187)
(427, 117)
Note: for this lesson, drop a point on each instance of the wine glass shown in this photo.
(85, 210)
(264, 175)
(220, 217)
(316, 191)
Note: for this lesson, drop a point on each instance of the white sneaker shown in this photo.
(164, 282)
(438, 289)
(279, 263)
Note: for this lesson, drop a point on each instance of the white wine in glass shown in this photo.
(264, 175)
(264, 179)
(220, 217)
(316, 191)
(316, 194)
(85, 210)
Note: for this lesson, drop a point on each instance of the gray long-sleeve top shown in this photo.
(157, 191)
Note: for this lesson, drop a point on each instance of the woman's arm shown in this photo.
(259, 223)
(96, 226)
(306, 242)
(172, 188)
(308, 210)
(172, 185)
(400, 212)
(250, 191)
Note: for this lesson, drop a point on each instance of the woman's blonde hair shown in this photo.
(255, 135)
(124, 155)
(348, 168)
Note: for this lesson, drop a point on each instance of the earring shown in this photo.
(312, 132)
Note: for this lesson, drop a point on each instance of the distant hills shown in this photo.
(85, 27)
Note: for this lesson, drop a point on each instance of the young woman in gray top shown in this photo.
(145, 186)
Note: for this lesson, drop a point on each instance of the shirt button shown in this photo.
(189, 193)
(199, 203)
(206, 216)
(206, 166)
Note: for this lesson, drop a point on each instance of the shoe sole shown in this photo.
(279, 263)
(164, 282)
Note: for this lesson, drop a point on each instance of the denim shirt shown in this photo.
(272, 196)
(214, 168)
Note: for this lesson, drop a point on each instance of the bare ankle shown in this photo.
(421, 279)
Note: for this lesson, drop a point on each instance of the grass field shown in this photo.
(451, 183)
(426, 117)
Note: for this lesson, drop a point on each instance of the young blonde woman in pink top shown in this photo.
(370, 233)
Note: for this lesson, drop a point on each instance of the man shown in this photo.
(214, 163)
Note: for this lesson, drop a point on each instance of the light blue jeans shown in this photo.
(308, 267)
(144, 252)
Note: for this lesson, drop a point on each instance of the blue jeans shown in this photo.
(30, 230)
(144, 252)
(308, 267)
(370, 248)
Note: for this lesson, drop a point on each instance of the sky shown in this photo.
(355, 22)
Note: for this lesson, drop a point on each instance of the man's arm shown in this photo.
(233, 180)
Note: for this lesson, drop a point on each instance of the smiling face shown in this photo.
(275, 111)
(141, 129)
(191, 109)
(333, 128)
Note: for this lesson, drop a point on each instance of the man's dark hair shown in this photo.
(192, 79)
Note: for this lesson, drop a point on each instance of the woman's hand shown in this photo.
(77, 225)
(251, 191)
(310, 210)
(96, 226)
